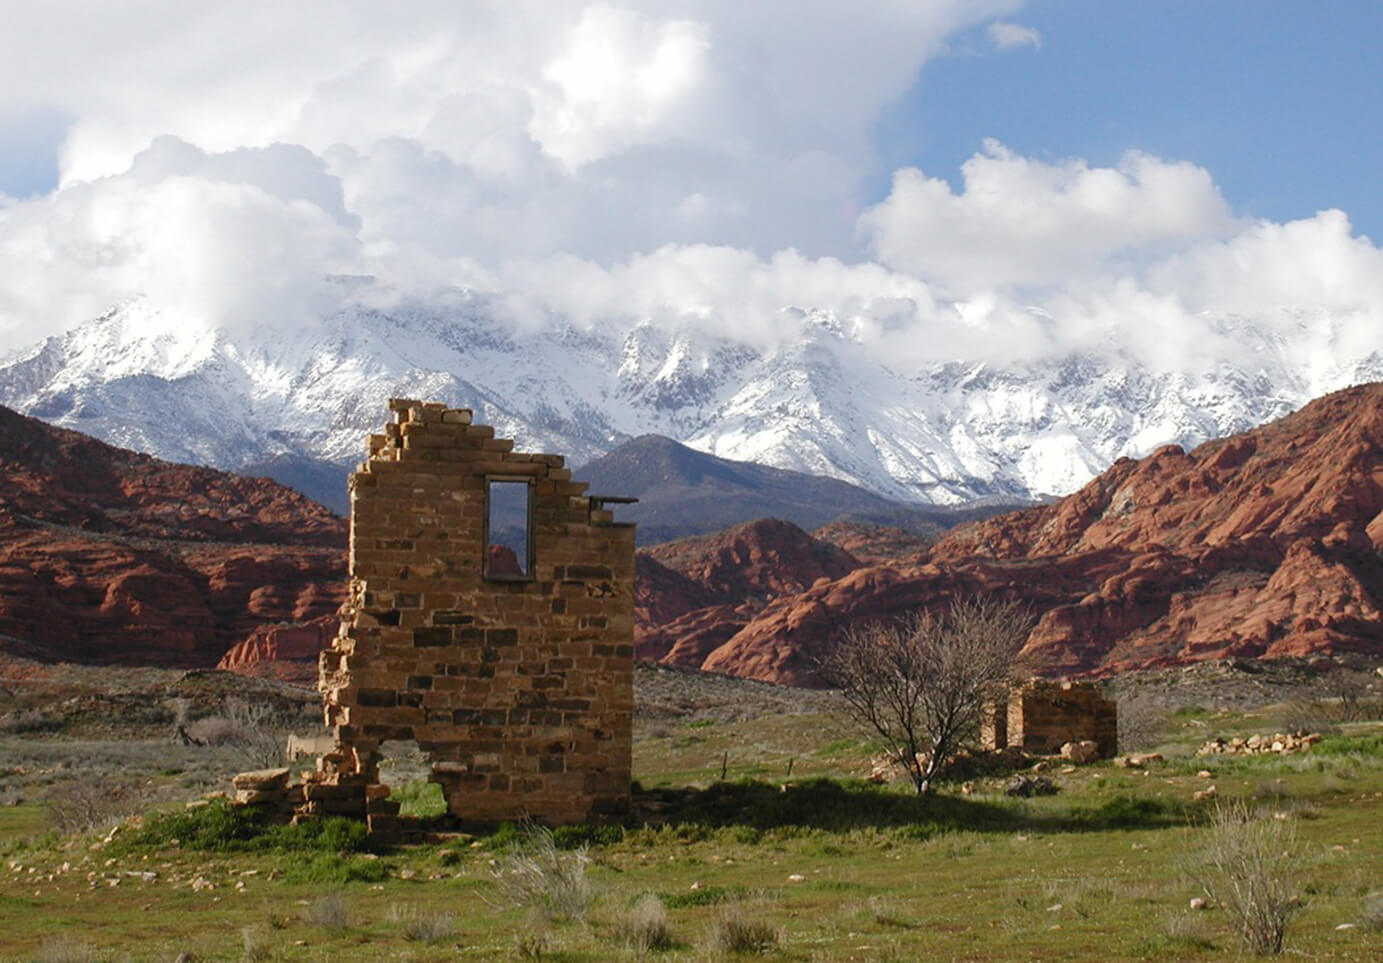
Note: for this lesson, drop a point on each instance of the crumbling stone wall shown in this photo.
(1039, 716)
(510, 665)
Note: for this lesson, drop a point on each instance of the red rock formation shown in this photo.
(764, 558)
(1268, 543)
(111, 556)
(877, 544)
(693, 594)
(283, 650)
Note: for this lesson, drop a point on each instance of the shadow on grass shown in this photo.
(839, 806)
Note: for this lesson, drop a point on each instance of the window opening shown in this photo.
(508, 528)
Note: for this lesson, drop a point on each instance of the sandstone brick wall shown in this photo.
(1040, 715)
(519, 688)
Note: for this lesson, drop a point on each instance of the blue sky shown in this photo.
(951, 179)
(1280, 100)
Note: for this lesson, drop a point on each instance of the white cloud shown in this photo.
(615, 81)
(232, 240)
(614, 162)
(1021, 222)
(1010, 36)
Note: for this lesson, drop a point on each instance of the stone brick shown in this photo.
(519, 691)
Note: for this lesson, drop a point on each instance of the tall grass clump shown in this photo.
(1247, 869)
(255, 941)
(538, 874)
(1372, 917)
(646, 928)
(66, 949)
(737, 930)
(420, 927)
(328, 912)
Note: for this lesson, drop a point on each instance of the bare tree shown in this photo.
(921, 682)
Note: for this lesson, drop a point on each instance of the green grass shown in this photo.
(420, 799)
(840, 869)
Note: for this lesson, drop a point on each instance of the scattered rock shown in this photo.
(1081, 752)
(1282, 743)
(1026, 785)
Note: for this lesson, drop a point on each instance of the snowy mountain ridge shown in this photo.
(944, 434)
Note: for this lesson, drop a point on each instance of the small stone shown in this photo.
(797, 878)
(1197, 903)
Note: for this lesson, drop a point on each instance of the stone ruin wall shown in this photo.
(517, 685)
(1040, 716)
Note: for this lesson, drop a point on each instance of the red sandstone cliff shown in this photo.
(1264, 544)
(111, 556)
(693, 594)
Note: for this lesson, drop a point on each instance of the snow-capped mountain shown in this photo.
(824, 404)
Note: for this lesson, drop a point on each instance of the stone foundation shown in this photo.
(1041, 716)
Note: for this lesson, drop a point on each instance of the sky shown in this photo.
(954, 179)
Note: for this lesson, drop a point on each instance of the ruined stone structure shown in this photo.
(1040, 716)
(490, 619)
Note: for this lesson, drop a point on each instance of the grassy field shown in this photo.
(790, 857)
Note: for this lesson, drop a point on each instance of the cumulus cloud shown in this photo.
(232, 240)
(1018, 221)
(612, 163)
(1010, 36)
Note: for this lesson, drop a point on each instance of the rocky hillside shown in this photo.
(694, 594)
(1263, 544)
(110, 556)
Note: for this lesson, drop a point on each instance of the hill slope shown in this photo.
(109, 556)
(684, 492)
(1264, 544)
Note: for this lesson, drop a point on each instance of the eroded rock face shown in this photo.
(111, 556)
(1264, 544)
(282, 650)
(694, 594)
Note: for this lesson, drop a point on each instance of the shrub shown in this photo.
(419, 927)
(736, 930)
(338, 868)
(1372, 917)
(78, 806)
(584, 835)
(22, 721)
(334, 834)
(217, 827)
(1123, 812)
(1247, 870)
(1188, 930)
(1370, 745)
(255, 940)
(254, 731)
(705, 896)
(328, 912)
(220, 827)
(538, 874)
(66, 949)
(645, 928)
